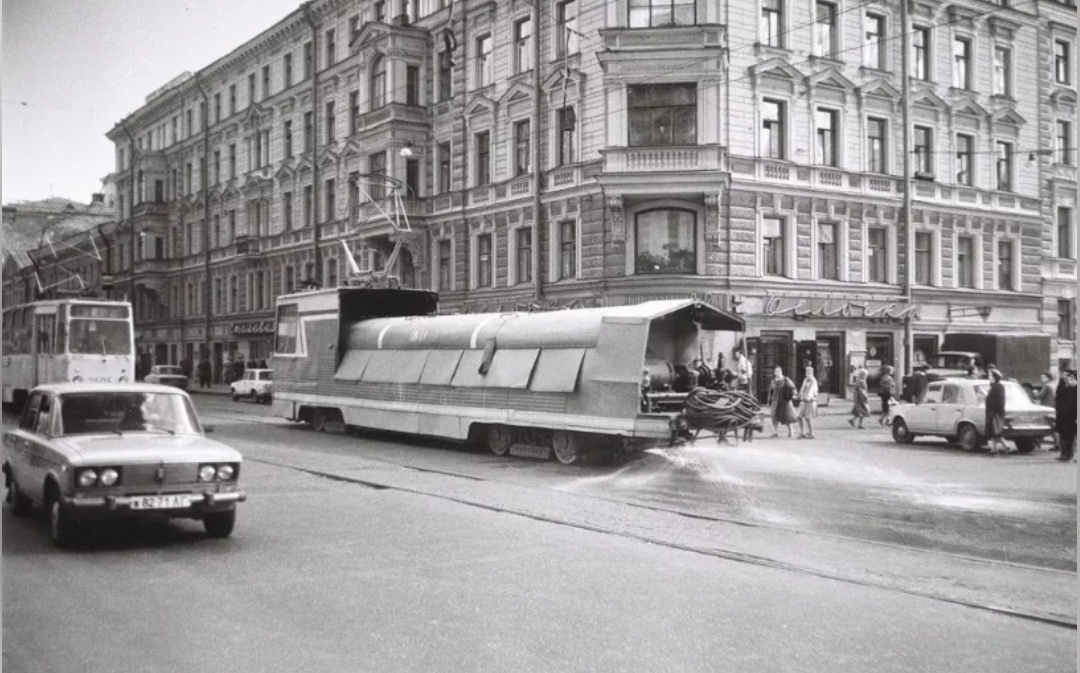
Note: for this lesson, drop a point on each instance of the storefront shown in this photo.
(834, 336)
(253, 340)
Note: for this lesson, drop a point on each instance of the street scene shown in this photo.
(558, 335)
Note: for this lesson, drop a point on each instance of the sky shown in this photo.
(72, 69)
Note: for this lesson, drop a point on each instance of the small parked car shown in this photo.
(956, 410)
(103, 451)
(167, 375)
(255, 383)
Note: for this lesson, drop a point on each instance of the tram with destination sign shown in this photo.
(576, 383)
(66, 340)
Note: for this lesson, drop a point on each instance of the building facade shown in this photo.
(594, 152)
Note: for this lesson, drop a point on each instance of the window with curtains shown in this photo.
(483, 158)
(1002, 85)
(876, 255)
(484, 72)
(825, 33)
(567, 127)
(662, 114)
(1065, 232)
(1005, 265)
(772, 21)
(826, 122)
(965, 261)
(665, 241)
(773, 129)
(962, 63)
(567, 249)
(524, 246)
(566, 26)
(827, 259)
(484, 275)
(660, 13)
(924, 242)
(1004, 165)
(377, 168)
(773, 247)
(965, 149)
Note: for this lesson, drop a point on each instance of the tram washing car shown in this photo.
(577, 383)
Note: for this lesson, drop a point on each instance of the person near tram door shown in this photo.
(887, 390)
(1065, 416)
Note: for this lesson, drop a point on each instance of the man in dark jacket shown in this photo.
(1065, 407)
(995, 414)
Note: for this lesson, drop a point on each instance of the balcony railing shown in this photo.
(829, 179)
(663, 159)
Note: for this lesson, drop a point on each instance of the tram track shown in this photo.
(712, 551)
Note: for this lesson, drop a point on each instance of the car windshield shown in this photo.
(951, 361)
(1014, 394)
(101, 337)
(171, 371)
(120, 412)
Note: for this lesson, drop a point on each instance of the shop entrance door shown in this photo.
(773, 350)
(827, 365)
(879, 352)
(925, 349)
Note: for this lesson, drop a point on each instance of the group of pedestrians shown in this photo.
(789, 405)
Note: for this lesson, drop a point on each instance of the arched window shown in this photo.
(665, 241)
(378, 82)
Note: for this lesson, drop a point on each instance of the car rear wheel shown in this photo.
(900, 431)
(219, 524)
(20, 504)
(61, 526)
(969, 437)
(1026, 445)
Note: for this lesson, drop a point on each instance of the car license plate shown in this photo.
(161, 501)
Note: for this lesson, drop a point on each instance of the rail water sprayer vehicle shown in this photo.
(579, 383)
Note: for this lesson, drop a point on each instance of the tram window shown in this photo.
(104, 337)
(46, 328)
(287, 323)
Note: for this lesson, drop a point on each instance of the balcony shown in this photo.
(836, 180)
(673, 159)
(392, 112)
(677, 38)
(152, 209)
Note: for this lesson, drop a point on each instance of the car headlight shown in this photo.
(87, 478)
(207, 472)
(225, 472)
(109, 476)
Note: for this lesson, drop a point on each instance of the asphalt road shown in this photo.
(370, 553)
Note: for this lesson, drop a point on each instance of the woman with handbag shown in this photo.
(781, 392)
(860, 408)
(807, 397)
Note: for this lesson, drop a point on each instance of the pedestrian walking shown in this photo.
(860, 408)
(887, 390)
(1065, 416)
(919, 384)
(808, 394)
(743, 368)
(781, 393)
(995, 414)
(204, 373)
(1047, 397)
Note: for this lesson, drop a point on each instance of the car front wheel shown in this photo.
(235, 396)
(219, 524)
(900, 431)
(61, 526)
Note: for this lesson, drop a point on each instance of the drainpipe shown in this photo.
(909, 235)
(131, 209)
(309, 16)
(538, 286)
(205, 180)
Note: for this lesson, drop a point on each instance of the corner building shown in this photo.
(746, 152)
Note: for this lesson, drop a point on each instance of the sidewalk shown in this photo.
(214, 389)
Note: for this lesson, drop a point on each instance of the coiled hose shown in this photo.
(719, 410)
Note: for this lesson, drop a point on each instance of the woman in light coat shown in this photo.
(808, 394)
(860, 408)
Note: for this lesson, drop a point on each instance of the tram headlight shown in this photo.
(122, 379)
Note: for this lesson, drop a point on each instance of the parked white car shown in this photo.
(167, 375)
(956, 410)
(256, 384)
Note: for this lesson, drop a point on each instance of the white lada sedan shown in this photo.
(95, 451)
(956, 410)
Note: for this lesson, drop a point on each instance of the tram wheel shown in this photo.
(499, 439)
(318, 420)
(566, 447)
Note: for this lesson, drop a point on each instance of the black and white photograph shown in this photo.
(546, 336)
